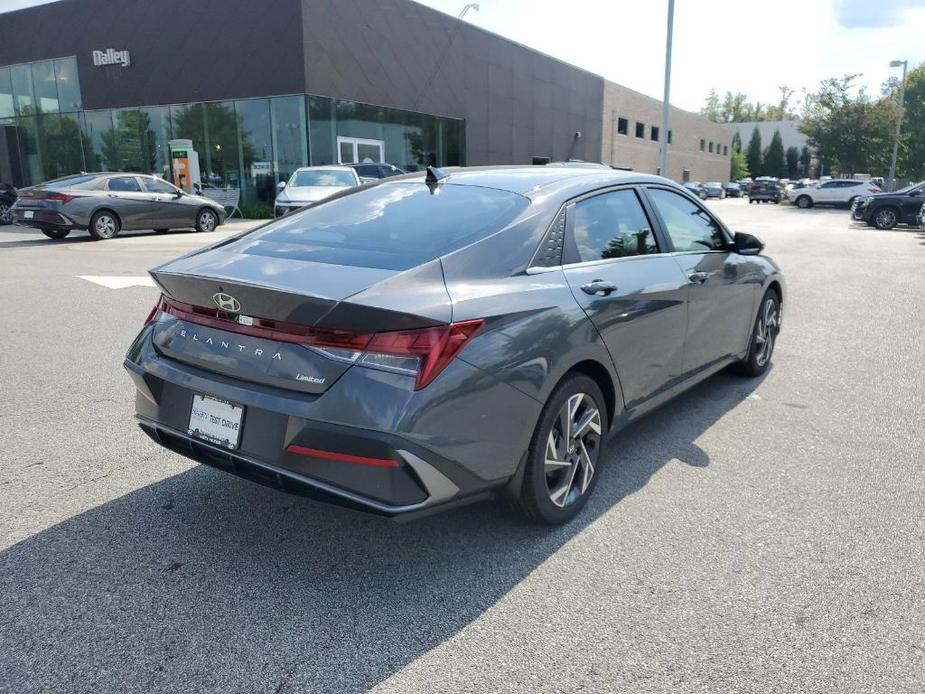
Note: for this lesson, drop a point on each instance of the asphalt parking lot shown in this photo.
(752, 536)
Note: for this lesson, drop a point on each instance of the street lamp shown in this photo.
(470, 6)
(666, 104)
(899, 120)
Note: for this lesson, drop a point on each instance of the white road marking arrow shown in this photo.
(119, 281)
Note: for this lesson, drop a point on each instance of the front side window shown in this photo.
(156, 185)
(689, 226)
(126, 184)
(612, 225)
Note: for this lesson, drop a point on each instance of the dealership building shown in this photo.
(260, 88)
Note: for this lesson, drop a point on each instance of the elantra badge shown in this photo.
(226, 302)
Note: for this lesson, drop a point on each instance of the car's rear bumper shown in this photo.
(43, 219)
(368, 442)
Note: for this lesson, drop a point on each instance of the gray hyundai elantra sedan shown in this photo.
(105, 204)
(440, 338)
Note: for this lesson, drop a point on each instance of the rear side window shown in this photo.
(611, 225)
(690, 228)
(392, 227)
(124, 183)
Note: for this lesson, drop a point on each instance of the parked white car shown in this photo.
(311, 184)
(838, 191)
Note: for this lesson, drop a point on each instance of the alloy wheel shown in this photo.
(572, 449)
(886, 219)
(766, 332)
(6, 217)
(105, 225)
(207, 221)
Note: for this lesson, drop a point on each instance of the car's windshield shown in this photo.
(713, 184)
(393, 227)
(322, 177)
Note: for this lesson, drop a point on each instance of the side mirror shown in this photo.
(746, 244)
(915, 193)
(179, 193)
(280, 185)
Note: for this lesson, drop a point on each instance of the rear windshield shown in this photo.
(391, 227)
(322, 178)
(85, 181)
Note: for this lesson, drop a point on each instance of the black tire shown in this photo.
(104, 224)
(764, 337)
(6, 217)
(804, 202)
(206, 220)
(161, 231)
(534, 499)
(886, 218)
(56, 233)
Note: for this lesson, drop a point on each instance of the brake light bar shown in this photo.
(58, 197)
(427, 350)
(341, 457)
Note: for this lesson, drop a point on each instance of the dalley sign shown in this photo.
(111, 57)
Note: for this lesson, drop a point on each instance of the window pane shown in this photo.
(258, 180)
(640, 130)
(322, 131)
(46, 91)
(690, 228)
(612, 225)
(132, 141)
(392, 226)
(68, 84)
(654, 133)
(29, 150)
(62, 145)
(21, 76)
(218, 160)
(622, 126)
(100, 153)
(6, 94)
(290, 137)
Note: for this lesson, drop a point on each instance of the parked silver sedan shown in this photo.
(106, 203)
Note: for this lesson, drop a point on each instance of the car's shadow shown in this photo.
(220, 584)
(37, 239)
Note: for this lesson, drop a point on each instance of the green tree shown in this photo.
(738, 166)
(793, 162)
(753, 154)
(736, 142)
(806, 160)
(911, 160)
(774, 162)
(851, 132)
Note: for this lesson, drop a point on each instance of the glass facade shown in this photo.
(250, 144)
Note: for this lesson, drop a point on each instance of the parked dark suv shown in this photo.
(764, 191)
(7, 198)
(886, 210)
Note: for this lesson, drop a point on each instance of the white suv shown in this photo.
(838, 191)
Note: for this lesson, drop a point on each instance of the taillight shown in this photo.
(57, 197)
(426, 351)
(873, 190)
(158, 306)
(422, 352)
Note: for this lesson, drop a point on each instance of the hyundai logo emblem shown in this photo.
(226, 302)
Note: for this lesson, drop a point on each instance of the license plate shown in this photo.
(29, 214)
(216, 421)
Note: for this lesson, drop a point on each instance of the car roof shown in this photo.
(326, 167)
(531, 181)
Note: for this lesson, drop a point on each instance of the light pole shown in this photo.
(899, 120)
(666, 105)
(470, 6)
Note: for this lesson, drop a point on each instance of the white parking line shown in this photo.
(119, 281)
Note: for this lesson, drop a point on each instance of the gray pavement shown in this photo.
(752, 536)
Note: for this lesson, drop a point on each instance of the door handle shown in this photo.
(599, 288)
(111, 195)
(698, 277)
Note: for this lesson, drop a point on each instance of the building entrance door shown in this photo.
(355, 150)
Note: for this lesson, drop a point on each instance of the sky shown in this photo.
(750, 46)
